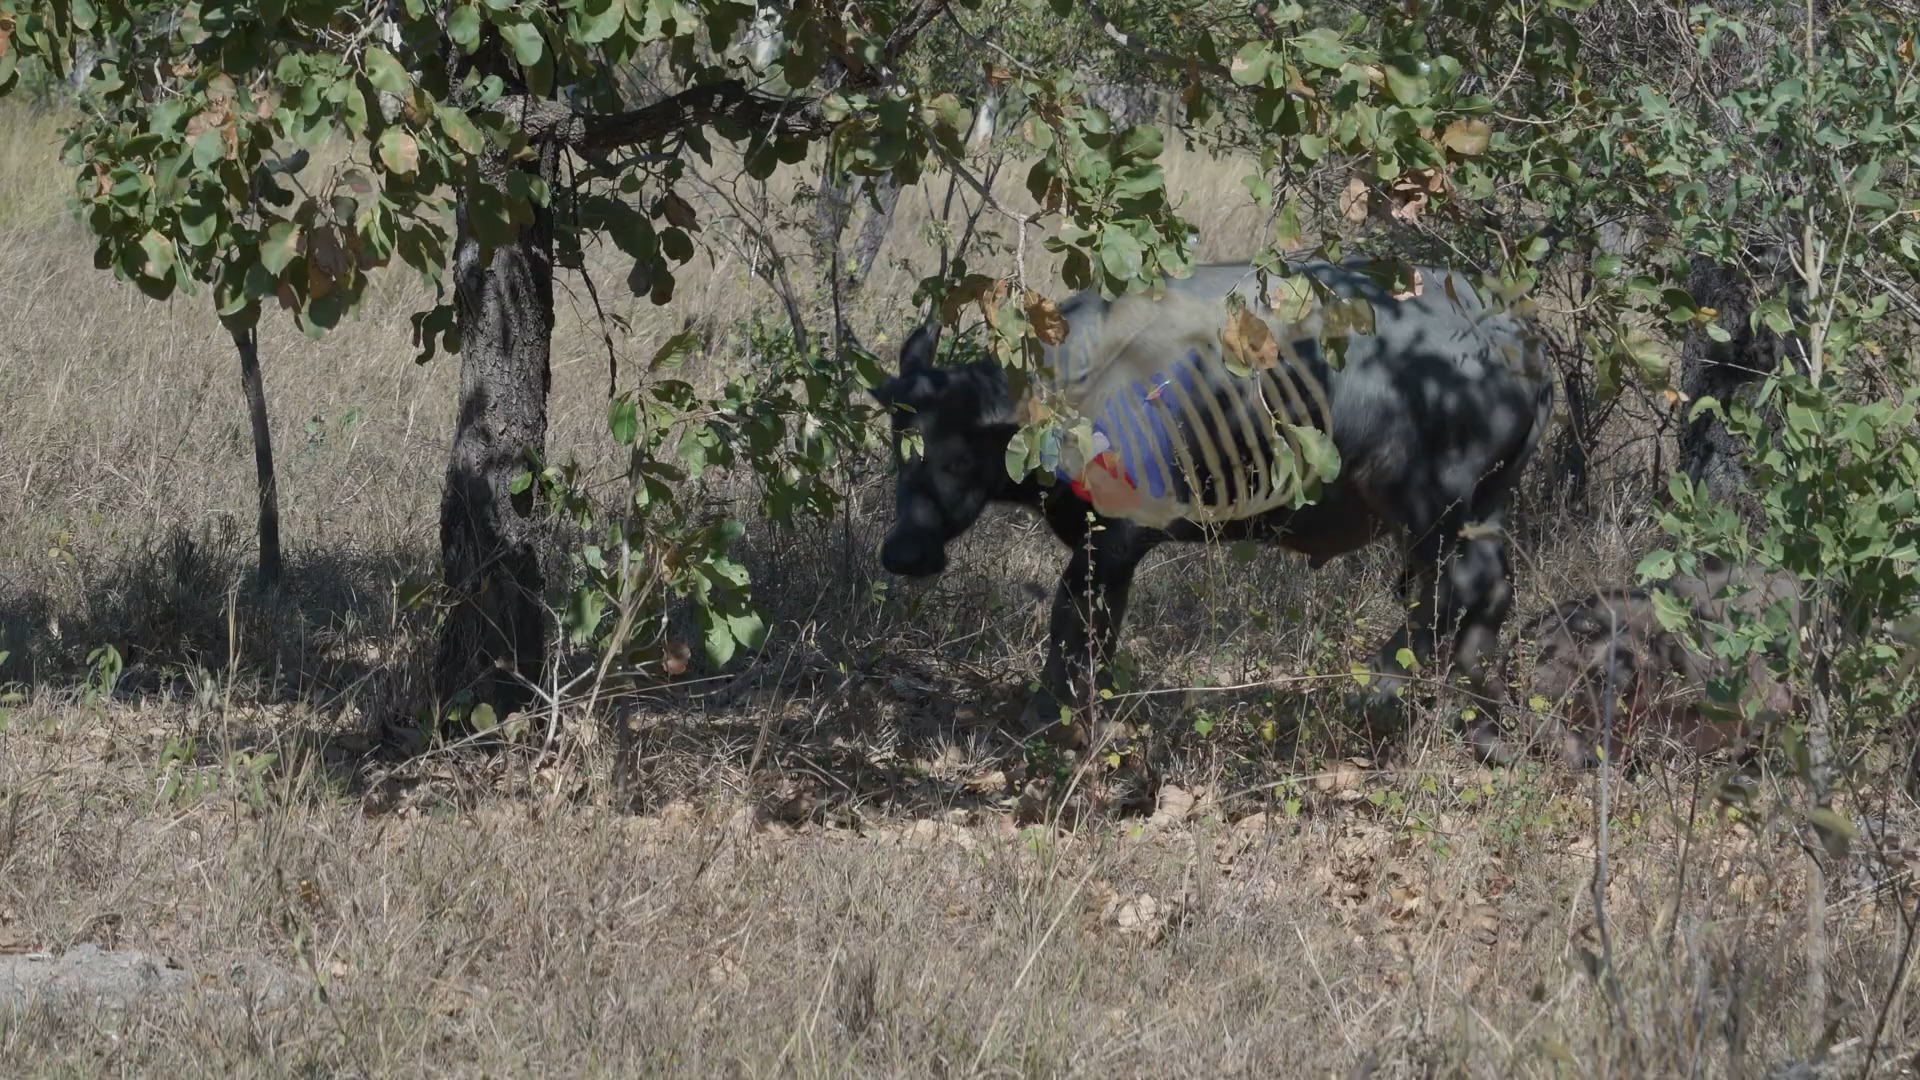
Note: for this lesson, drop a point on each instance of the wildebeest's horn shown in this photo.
(917, 351)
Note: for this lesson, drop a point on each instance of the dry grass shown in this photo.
(829, 861)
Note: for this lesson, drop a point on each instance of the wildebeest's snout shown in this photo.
(911, 554)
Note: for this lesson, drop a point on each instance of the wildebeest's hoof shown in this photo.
(1382, 707)
(1043, 719)
(1488, 743)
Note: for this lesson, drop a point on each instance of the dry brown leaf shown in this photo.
(1249, 340)
(1483, 923)
(678, 655)
(1172, 806)
(990, 298)
(1143, 915)
(973, 289)
(1408, 206)
(206, 120)
(997, 75)
(326, 255)
(1044, 316)
(679, 213)
(987, 783)
(1353, 201)
(1467, 137)
(402, 153)
(1342, 776)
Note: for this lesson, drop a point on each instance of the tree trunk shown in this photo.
(499, 627)
(1709, 453)
(247, 343)
(873, 230)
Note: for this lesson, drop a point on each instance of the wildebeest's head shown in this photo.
(964, 419)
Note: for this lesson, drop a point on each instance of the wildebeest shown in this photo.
(1435, 410)
(1576, 653)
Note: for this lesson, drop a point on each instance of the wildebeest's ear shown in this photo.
(916, 354)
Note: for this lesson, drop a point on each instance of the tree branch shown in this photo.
(923, 15)
(712, 103)
(727, 101)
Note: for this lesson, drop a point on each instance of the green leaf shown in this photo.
(1141, 143)
(675, 244)
(387, 74)
(1257, 186)
(1406, 82)
(209, 148)
(599, 20)
(399, 151)
(483, 717)
(462, 130)
(623, 419)
(1864, 179)
(1318, 450)
(1657, 566)
(160, 255)
(1252, 64)
(1120, 253)
(199, 222)
(528, 47)
(1286, 227)
(84, 17)
(748, 629)
(1019, 453)
(279, 247)
(675, 351)
(1321, 47)
(1835, 831)
(463, 26)
(717, 636)
(584, 610)
(1138, 181)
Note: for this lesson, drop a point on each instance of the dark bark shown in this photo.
(247, 344)
(1572, 445)
(874, 229)
(1709, 453)
(490, 537)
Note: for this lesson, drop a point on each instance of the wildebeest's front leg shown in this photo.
(1456, 581)
(1088, 608)
(1478, 590)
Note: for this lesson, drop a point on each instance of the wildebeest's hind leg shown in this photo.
(1455, 580)
(1383, 702)
(1479, 589)
(1087, 611)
